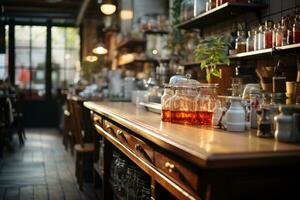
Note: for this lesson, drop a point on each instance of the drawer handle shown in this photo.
(97, 120)
(139, 148)
(110, 128)
(121, 134)
(171, 167)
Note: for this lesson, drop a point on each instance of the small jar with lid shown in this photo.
(268, 34)
(250, 41)
(166, 103)
(240, 44)
(183, 104)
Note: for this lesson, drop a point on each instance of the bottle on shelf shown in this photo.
(240, 45)
(259, 43)
(296, 30)
(268, 34)
(278, 36)
(250, 41)
(233, 36)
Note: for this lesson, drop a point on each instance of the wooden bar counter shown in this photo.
(196, 162)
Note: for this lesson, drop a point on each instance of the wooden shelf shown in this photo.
(135, 61)
(159, 32)
(219, 14)
(253, 54)
(264, 52)
(131, 43)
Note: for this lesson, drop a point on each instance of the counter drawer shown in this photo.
(177, 171)
(139, 147)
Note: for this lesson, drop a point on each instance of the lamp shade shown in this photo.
(100, 49)
(108, 8)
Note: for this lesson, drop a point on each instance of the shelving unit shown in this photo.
(136, 61)
(223, 12)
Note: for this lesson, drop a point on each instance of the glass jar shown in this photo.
(166, 103)
(206, 103)
(240, 45)
(268, 35)
(250, 41)
(183, 105)
(199, 7)
(296, 30)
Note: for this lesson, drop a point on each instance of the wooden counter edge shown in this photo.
(203, 159)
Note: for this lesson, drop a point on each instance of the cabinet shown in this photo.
(185, 162)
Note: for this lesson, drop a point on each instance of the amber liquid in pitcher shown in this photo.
(205, 118)
(183, 117)
(166, 116)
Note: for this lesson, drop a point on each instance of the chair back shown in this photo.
(77, 120)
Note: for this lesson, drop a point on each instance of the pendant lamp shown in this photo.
(108, 7)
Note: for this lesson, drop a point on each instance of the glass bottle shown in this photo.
(250, 41)
(206, 103)
(199, 7)
(268, 34)
(284, 28)
(240, 45)
(189, 9)
(183, 105)
(296, 30)
(260, 37)
(183, 15)
(279, 36)
(166, 103)
(212, 4)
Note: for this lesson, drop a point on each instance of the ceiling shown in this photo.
(67, 10)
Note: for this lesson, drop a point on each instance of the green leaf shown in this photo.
(216, 73)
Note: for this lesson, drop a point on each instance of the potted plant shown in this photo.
(211, 52)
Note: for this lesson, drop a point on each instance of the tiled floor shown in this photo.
(42, 169)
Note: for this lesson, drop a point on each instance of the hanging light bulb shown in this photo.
(100, 49)
(107, 7)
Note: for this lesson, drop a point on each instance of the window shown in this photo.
(30, 59)
(4, 58)
(65, 55)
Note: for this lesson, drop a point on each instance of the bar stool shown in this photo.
(83, 151)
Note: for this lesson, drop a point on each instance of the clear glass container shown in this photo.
(296, 30)
(166, 103)
(183, 14)
(260, 38)
(199, 7)
(240, 44)
(183, 105)
(190, 9)
(268, 35)
(206, 102)
(250, 41)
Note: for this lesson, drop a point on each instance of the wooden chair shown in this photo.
(83, 151)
